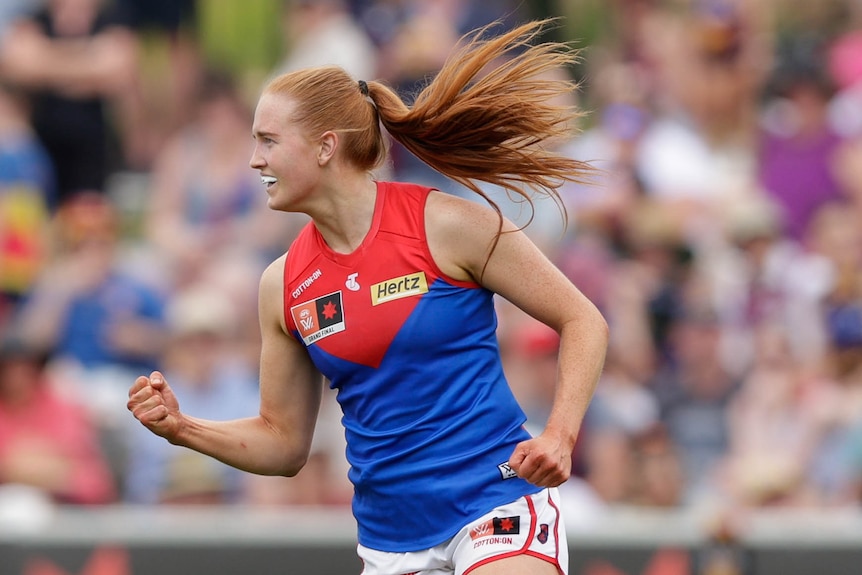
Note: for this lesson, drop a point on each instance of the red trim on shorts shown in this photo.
(556, 534)
(522, 551)
(555, 562)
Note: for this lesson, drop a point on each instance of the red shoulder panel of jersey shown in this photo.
(352, 306)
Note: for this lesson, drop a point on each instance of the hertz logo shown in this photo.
(396, 288)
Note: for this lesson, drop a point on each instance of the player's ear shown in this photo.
(328, 144)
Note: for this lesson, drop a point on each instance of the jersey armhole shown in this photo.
(431, 261)
(289, 324)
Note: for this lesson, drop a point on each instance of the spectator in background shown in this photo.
(798, 148)
(762, 277)
(647, 292)
(696, 153)
(172, 70)
(854, 460)
(101, 321)
(833, 472)
(843, 59)
(213, 380)
(26, 192)
(659, 478)
(694, 389)
(835, 238)
(11, 11)
(613, 140)
(46, 441)
(320, 32)
(80, 68)
(414, 38)
(848, 165)
(836, 400)
(622, 403)
(205, 204)
(771, 431)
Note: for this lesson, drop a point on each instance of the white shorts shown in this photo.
(531, 525)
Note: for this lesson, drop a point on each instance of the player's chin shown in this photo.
(275, 204)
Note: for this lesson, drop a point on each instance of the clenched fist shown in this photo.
(153, 403)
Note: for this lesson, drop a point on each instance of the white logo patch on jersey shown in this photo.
(351, 282)
(506, 471)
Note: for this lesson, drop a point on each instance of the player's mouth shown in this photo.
(268, 181)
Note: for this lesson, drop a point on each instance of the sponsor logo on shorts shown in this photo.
(397, 288)
(319, 317)
(493, 541)
(496, 526)
(543, 533)
(506, 471)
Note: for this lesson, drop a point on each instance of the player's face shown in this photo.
(285, 157)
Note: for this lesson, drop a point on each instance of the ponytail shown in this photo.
(484, 121)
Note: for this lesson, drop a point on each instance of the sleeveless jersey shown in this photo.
(429, 418)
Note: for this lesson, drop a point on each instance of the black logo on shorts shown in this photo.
(506, 525)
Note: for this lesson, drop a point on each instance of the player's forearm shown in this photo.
(583, 346)
(250, 444)
(103, 64)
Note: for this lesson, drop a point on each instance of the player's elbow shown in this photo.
(603, 329)
(293, 464)
(293, 458)
(287, 448)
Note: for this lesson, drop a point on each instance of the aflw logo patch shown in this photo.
(396, 288)
(319, 318)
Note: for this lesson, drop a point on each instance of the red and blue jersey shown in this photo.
(429, 418)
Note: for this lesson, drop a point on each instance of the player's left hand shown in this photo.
(545, 460)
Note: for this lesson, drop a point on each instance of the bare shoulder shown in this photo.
(271, 294)
(461, 234)
(273, 275)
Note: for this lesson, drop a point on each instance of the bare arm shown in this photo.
(277, 441)
(460, 234)
(165, 221)
(104, 64)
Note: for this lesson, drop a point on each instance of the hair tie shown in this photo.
(363, 87)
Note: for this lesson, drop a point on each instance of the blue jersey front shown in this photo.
(429, 418)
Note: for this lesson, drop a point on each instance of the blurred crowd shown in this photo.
(721, 236)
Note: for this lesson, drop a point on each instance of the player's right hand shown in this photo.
(153, 403)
